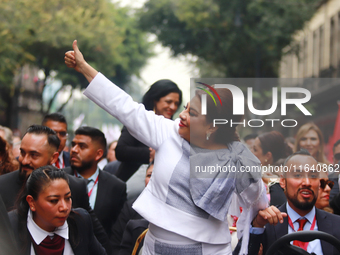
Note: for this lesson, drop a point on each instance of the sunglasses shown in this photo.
(324, 182)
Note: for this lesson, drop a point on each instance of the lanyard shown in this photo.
(305, 244)
(95, 182)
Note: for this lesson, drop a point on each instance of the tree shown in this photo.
(39, 32)
(238, 38)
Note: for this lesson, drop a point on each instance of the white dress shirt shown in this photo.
(38, 234)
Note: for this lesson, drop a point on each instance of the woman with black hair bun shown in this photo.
(164, 97)
(44, 222)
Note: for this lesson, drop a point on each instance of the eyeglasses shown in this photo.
(324, 182)
(62, 134)
(337, 156)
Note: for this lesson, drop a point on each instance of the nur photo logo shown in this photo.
(295, 96)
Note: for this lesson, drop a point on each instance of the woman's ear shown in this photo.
(269, 157)
(31, 203)
(212, 129)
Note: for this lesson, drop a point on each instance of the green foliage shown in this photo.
(240, 38)
(39, 32)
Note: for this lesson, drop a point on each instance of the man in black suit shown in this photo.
(106, 192)
(301, 186)
(58, 124)
(7, 238)
(39, 147)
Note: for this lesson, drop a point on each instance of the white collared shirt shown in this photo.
(38, 234)
(90, 185)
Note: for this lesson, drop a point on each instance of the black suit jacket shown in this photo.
(132, 153)
(66, 158)
(80, 226)
(126, 214)
(111, 195)
(133, 230)
(11, 184)
(328, 223)
(112, 167)
(7, 239)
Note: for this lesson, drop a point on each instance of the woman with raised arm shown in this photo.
(186, 205)
(44, 222)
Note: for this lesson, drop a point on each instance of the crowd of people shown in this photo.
(143, 194)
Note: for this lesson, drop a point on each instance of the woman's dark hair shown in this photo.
(225, 133)
(274, 142)
(160, 89)
(38, 180)
(6, 160)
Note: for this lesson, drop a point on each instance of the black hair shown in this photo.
(274, 142)
(225, 134)
(300, 152)
(56, 116)
(52, 138)
(249, 137)
(94, 133)
(160, 89)
(150, 164)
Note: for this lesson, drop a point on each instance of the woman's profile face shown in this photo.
(52, 206)
(167, 105)
(311, 142)
(192, 116)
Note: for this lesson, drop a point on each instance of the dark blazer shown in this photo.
(10, 186)
(133, 230)
(126, 214)
(112, 167)
(132, 153)
(80, 225)
(66, 158)
(328, 223)
(7, 240)
(277, 196)
(111, 195)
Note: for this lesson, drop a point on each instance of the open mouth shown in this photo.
(306, 193)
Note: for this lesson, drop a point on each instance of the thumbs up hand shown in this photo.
(74, 58)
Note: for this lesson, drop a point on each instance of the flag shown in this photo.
(336, 135)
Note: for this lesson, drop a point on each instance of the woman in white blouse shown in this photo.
(186, 209)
